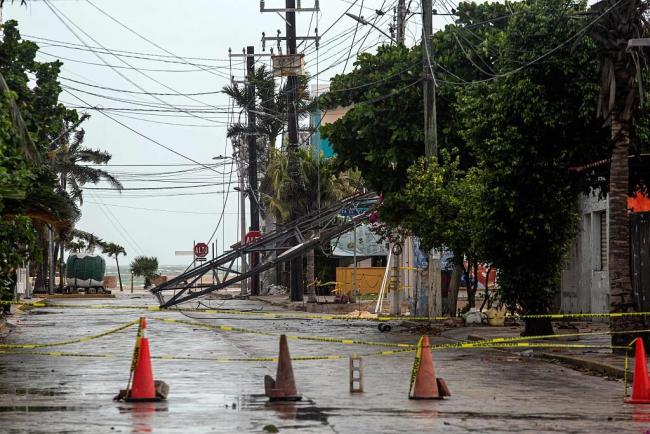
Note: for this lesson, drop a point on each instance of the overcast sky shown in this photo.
(159, 222)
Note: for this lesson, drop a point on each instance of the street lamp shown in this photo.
(364, 22)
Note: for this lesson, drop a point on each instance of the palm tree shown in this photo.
(145, 266)
(618, 103)
(271, 105)
(65, 160)
(279, 192)
(112, 249)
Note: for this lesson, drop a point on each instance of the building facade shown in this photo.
(585, 280)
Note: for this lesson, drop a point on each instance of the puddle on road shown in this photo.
(305, 410)
(24, 391)
(39, 408)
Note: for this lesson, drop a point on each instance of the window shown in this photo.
(600, 244)
(603, 239)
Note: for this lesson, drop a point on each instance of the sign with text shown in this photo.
(201, 250)
(368, 243)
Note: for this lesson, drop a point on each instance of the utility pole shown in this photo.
(430, 141)
(297, 282)
(401, 22)
(429, 84)
(252, 162)
(242, 222)
(292, 69)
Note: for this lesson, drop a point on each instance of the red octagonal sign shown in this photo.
(200, 250)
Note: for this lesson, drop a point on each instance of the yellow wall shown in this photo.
(368, 279)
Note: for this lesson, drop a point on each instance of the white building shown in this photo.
(585, 280)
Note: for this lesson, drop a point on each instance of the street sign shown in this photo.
(351, 212)
(201, 250)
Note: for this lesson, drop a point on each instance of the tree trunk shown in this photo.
(41, 268)
(471, 287)
(62, 268)
(310, 270)
(454, 283)
(119, 276)
(621, 297)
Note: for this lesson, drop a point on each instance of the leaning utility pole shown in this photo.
(290, 65)
(252, 162)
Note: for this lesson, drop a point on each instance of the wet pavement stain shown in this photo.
(491, 391)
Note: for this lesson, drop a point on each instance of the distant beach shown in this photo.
(138, 282)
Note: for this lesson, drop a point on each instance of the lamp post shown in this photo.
(364, 22)
(242, 216)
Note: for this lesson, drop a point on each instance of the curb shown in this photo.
(590, 365)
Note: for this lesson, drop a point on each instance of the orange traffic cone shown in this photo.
(283, 388)
(143, 387)
(424, 384)
(641, 382)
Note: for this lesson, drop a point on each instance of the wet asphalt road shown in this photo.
(492, 391)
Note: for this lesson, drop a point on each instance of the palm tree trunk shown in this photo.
(119, 276)
(621, 297)
(62, 268)
(311, 277)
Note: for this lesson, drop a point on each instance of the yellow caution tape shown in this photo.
(558, 336)
(278, 315)
(583, 315)
(72, 341)
(311, 316)
(416, 365)
(293, 337)
(311, 358)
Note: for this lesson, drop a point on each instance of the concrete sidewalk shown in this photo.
(596, 361)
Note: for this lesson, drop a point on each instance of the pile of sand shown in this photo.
(360, 314)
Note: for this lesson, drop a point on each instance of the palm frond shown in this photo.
(27, 145)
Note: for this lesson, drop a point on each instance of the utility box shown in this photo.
(285, 65)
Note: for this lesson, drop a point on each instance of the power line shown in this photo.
(160, 209)
(140, 93)
(60, 16)
(90, 48)
(144, 136)
(121, 24)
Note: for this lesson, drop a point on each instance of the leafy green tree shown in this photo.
(145, 266)
(40, 145)
(382, 133)
(442, 205)
(526, 132)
